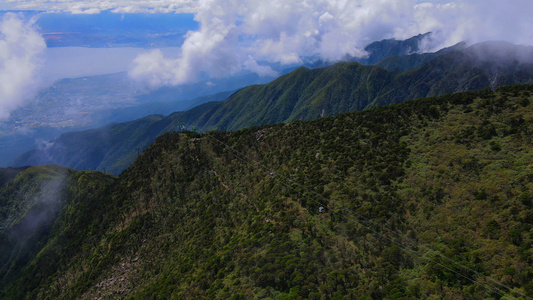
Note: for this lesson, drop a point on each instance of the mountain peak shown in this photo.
(392, 47)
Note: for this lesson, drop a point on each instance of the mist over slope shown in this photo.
(30, 202)
(427, 198)
(303, 94)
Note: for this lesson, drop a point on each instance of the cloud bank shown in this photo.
(21, 47)
(235, 35)
(238, 35)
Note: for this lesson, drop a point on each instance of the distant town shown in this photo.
(72, 103)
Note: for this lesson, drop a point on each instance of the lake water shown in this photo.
(71, 62)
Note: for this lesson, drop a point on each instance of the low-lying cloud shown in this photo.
(236, 35)
(21, 47)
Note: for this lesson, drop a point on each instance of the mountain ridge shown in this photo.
(306, 94)
(426, 198)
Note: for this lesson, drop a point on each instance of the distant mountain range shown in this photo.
(303, 94)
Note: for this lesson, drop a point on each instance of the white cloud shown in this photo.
(154, 69)
(251, 65)
(234, 35)
(20, 49)
(77, 9)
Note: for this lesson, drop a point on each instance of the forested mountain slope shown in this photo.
(30, 203)
(425, 199)
(303, 94)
